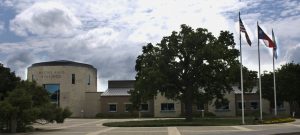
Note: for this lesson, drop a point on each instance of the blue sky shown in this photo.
(110, 34)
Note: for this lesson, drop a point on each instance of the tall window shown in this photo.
(144, 107)
(167, 107)
(89, 80)
(73, 78)
(254, 105)
(53, 89)
(112, 108)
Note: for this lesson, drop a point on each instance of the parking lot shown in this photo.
(95, 127)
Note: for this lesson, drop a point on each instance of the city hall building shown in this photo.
(71, 84)
(74, 85)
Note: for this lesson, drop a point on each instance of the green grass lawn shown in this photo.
(182, 122)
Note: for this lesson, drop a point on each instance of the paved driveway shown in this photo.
(94, 127)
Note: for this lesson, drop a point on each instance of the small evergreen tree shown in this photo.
(25, 104)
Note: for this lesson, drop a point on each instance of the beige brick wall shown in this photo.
(71, 95)
(230, 112)
(248, 98)
(268, 110)
(266, 106)
(157, 107)
(120, 101)
(92, 104)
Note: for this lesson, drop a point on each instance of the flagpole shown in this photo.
(259, 82)
(242, 85)
(274, 51)
(275, 100)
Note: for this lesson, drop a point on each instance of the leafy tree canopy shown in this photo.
(189, 66)
(249, 77)
(8, 81)
(287, 85)
(25, 103)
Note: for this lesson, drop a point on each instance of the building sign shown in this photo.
(50, 74)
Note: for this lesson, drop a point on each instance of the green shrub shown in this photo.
(206, 114)
(209, 114)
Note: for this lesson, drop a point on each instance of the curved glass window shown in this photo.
(54, 92)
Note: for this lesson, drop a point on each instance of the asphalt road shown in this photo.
(94, 127)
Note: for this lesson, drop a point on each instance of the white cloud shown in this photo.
(156, 19)
(18, 56)
(293, 54)
(147, 21)
(44, 19)
(110, 34)
(104, 48)
(286, 27)
(8, 3)
(97, 36)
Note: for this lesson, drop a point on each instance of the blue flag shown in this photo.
(275, 48)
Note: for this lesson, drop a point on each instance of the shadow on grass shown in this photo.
(46, 130)
(293, 133)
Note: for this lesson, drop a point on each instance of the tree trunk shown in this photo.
(291, 110)
(13, 124)
(188, 110)
(188, 103)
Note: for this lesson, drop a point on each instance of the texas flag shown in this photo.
(262, 35)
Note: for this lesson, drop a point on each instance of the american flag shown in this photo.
(243, 29)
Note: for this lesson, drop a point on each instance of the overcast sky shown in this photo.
(109, 34)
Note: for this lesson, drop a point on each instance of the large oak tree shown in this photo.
(189, 65)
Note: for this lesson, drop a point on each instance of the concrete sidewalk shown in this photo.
(94, 127)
